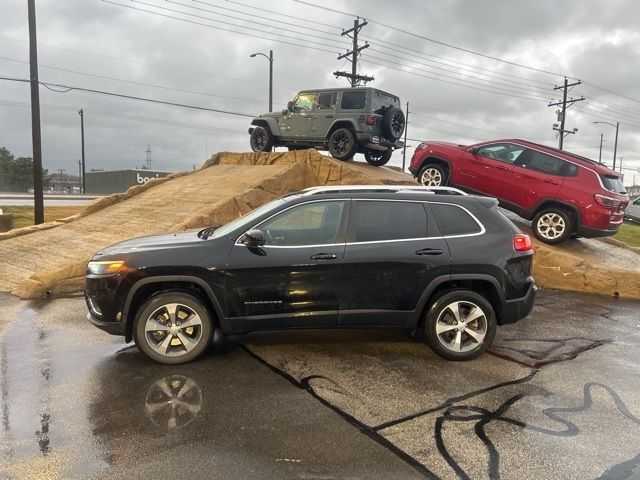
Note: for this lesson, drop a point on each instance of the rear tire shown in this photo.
(342, 144)
(261, 139)
(172, 327)
(393, 123)
(433, 175)
(552, 226)
(460, 325)
(378, 158)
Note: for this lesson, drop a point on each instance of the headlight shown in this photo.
(422, 146)
(106, 267)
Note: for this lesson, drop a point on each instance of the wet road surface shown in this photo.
(557, 398)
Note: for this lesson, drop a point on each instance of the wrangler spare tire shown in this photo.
(393, 123)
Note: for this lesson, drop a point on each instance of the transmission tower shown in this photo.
(148, 157)
(352, 56)
(562, 114)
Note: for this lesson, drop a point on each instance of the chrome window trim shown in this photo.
(478, 222)
(560, 158)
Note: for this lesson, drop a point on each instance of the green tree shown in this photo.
(16, 174)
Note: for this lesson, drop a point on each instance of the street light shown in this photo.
(270, 58)
(615, 145)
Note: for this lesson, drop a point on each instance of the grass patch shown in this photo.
(24, 215)
(629, 233)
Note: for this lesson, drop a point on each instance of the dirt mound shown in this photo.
(51, 258)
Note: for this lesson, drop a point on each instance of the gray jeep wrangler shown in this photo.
(344, 121)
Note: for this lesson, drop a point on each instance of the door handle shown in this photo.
(501, 168)
(324, 256)
(430, 251)
(552, 182)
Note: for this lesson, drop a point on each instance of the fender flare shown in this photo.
(171, 278)
(334, 126)
(436, 157)
(268, 122)
(436, 282)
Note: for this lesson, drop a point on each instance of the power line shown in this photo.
(223, 29)
(129, 97)
(495, 91)
(131, 82)
(253, 22)
(283, 14)
(432, 40)
(154, 65)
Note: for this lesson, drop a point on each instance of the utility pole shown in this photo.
(270, 80)
(38, 194)
(61, 171)
(620, 165)
(615, 146)
(148, 157)
(562, 114)
(352, 56)
(81, 112)
(600, 155)
(406, 127)
(80, 177)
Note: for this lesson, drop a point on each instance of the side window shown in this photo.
(327, 100)
(377, 221)
(454, 220)
(570, 169)
(353, 100)
(505, 152)
(314, 223)
(637, 202)
(304, 102)
(541, 162)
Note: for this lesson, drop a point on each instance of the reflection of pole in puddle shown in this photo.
(43, 435)
(4, 396)
(173, 401)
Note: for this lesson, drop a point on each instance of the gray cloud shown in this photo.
(585, 39)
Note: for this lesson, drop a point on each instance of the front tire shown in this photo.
(460, 325)
(432, 175)
(261, 139)
(173, 328)
(378, 158)
(552, 226)
(342, 144)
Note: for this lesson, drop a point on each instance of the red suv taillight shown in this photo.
(522, 242)
(370, 119)
(605, 201)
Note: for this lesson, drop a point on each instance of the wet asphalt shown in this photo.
(558, 396)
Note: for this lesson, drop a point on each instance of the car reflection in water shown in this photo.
(173, 401)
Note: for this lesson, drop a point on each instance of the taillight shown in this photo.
(522, 242)
(605, 201)
(370, 119)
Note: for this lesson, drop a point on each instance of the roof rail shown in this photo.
(382, 188)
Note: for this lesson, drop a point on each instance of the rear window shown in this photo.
(382, 101)
(377, 221)
(454, 220)
(353, 100)
(612, 183)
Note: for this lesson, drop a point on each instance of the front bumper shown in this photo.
(518, 308)
(589, 232)
(413, 171)
(114, 328)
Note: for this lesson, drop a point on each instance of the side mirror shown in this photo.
(473, 150)
(253, 238)
(290, 105)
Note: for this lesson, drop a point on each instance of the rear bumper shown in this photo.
(518, 308)
(589, 232)
(377, 142)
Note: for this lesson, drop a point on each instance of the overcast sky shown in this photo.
(83, 41)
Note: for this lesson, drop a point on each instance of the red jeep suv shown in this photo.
(565, 195)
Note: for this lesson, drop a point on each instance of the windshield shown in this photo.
(247, 218)
(612, 183)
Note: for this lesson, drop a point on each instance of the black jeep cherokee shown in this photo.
(432, 259)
